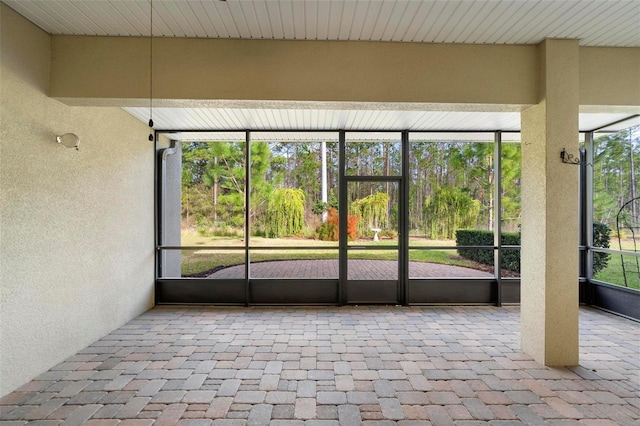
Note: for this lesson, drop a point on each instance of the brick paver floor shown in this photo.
(357, 270)
(335, 366)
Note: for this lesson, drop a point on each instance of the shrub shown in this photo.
(511, 258)
(473, 237)
(601, 239)
(318, 207)
(329, 230)
(389, 233)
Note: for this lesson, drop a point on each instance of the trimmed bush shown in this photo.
(511, 258)
(473, 237)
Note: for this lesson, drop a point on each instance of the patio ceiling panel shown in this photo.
(616, 127)
(593, 22)
(348, 119)
(530, 26)
(594, 120)
(625, 19)
(519, 16)
(364, 19)
(212, 24)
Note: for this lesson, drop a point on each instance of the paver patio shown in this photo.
(357, 269)
(335, 366)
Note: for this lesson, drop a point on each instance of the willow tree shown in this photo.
(285, 213)
(372, 211)
(449, 209)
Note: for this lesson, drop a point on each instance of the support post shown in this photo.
(550, 213)
(323, 149)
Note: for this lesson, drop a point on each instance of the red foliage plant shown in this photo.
(329, 230)
(352, 227)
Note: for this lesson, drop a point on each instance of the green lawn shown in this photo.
(199, 262)
(202, 261)
(613, 273)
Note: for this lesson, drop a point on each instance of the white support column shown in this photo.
(325, 190)
(549, 296)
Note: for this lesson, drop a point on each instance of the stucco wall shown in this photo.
(199, 69)
(286, 70)
(76, 227)
(610, 76)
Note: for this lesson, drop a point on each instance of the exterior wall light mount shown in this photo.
(70, 140)
(569, 158)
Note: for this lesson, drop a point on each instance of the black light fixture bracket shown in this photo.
(569, 158)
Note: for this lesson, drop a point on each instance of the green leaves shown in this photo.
(285, 213)
(372, 211)
(449, 209)
(616, 173)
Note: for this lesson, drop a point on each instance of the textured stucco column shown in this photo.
(549, 296)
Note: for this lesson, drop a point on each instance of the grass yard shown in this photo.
(613, 273)
(202, 262)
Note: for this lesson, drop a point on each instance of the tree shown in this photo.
(449, 209)
(213, 179)
(475, 163)
(372, 211)
(285, 213)
(263, 180)
(615, 173)
(197, 204)
(225, 176)
(511, 176)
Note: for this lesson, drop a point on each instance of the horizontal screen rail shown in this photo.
(247, 248)
(372, 247)
(455, 247)
(200, 248)
(613, 251)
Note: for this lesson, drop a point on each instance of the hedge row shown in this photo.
(511, 257)
(472, 237)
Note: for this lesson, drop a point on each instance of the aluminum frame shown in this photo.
(415, 291)
(405, 285)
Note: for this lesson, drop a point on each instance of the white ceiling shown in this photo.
(347, 119)
(318, 119)
(593, 22)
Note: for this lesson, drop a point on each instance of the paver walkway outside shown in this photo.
(357, 269)
(335, 366)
